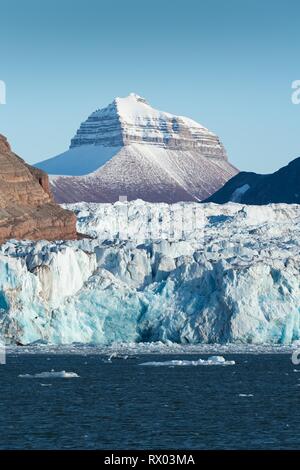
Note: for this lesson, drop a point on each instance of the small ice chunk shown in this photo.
(217, 359)
(245, 395)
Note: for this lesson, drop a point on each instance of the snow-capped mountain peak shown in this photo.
(130, 148)
(131, 119)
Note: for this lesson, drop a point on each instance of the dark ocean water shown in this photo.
(123, 405)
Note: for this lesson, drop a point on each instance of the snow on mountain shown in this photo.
(130, 148)
(233, 276)
(79, 160)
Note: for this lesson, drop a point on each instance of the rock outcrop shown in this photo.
(27, 209)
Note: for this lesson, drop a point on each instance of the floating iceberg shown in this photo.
(51, 375)
(211, 361)
(235, 279)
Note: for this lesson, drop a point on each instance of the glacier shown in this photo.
(183, 273)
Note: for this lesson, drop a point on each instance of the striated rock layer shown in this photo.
(27, 209)
(132, 120)
(132, 149)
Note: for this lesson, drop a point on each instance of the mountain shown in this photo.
(27, 209)
(283, 186)
(131, 149)
(234, 279)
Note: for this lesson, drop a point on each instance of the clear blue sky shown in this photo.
(227, 64)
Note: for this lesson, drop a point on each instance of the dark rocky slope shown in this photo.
(283, 186)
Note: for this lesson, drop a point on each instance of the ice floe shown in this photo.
(211, 361)
(52, 374)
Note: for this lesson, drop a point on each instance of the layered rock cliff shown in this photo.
(132, 120)
(27, 209)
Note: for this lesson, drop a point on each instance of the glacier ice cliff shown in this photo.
(232, 274)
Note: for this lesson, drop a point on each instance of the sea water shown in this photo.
(113, 401)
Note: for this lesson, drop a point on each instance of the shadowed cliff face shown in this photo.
(281, 187)
(27, 210)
